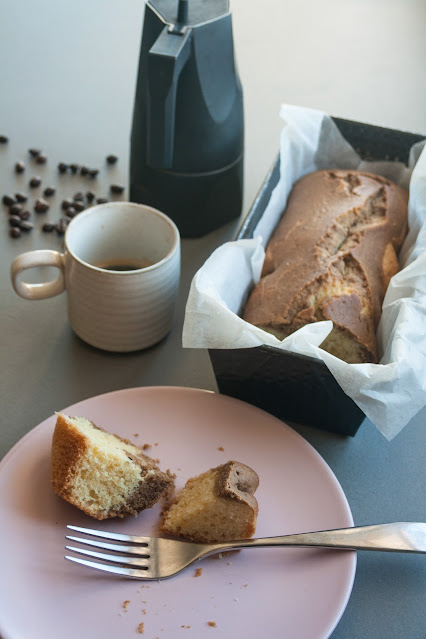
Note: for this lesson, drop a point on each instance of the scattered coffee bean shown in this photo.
(20, 167)
(41, 159)
(26, 226)
(48, 227)
(61, 227)
(16, 209)
(101, 200)
(67, 203)
(62, 167)
(21, 197)
(84, 170)
(8, 200)
(41, 206)
(14, 220)
(34, 152)
(49, 191)
(4, 139)
(93, 173)
(90, 196)
(70, 212)
(25, 214)
(78, 206)
(15, 232)
(111, 159)
(78, 196)
(35, 182)
(73, 167)
(116, 188)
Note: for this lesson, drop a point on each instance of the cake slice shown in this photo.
(218, 505)
(102, 474)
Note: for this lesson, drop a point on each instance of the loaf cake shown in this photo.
(331, 257)
(218, 505)
(102, 474)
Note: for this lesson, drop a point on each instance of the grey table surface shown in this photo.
(67, 75)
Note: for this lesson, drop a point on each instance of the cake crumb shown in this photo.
(198, 572)
(146, 446)
(143, 611)
(126, 603)
(141, 628)
(213, 624)
(135, 434)
(221, 448)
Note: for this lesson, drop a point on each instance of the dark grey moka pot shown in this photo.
(187, 140)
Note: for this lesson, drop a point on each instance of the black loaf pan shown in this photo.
(295, 387)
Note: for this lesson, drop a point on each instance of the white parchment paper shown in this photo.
(389, 393)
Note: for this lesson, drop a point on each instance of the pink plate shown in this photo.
(297, 593)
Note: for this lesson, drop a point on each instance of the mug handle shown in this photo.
(38, 258)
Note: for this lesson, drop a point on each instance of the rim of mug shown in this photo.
(151, 209)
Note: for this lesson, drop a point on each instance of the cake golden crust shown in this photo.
(331, 258)
(218, 505)
(102, 474)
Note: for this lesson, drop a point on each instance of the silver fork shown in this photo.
(157, 558)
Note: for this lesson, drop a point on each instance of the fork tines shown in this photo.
(129, 558)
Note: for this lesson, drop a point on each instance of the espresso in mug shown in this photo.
(124, 264)
(120, 268)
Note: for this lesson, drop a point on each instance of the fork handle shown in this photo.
(395, 537)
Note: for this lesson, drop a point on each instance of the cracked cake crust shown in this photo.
(331, 257)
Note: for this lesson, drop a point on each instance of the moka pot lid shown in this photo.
(189, 13)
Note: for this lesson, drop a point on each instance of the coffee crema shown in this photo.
(124, 265)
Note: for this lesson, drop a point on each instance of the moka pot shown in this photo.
(187, 139)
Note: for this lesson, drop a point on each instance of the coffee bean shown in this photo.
(8, 200)
(62, 167)
(35, 182)
(111, 159)
(48, 227)
(116, 188)
(70, 212)
(67, 203)
(21, 197)
(41, 159)
(4, 139)
(25, 214)
(41, 206)
(93, 173)
(34, 152)
(15, 232)
(78, 206)
(90, 196)
(49, 191)
(101, 200)
(61, 227)
(14, 220)
(73, 168)
(26, 226)
(19, 167)
(84, 170)
(78, 196)
(16, 209)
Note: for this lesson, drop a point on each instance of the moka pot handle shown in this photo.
(166, 59)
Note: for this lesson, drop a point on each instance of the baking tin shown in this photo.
(295, 387)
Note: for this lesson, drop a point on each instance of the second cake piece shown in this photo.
(218, 505)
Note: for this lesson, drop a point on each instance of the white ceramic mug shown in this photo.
(116, 310)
